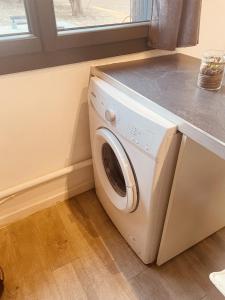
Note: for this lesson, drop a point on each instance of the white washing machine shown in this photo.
(134, 157)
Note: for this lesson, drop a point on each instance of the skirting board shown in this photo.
(46, 194)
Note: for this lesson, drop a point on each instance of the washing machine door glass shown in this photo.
(114, 171)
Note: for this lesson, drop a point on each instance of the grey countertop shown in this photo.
(170, 81)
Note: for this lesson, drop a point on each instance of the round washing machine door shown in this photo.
(114, 171)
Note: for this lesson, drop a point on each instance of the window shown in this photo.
(72, 14)
(54, 32)
(18, 28)
(13, 18)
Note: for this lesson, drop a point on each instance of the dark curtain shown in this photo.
(174, 23)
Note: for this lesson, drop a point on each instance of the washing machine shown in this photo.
(134, 157)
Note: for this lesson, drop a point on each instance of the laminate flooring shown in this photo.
(73, 251)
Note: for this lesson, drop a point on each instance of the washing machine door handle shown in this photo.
(131, 190)
(131, 194)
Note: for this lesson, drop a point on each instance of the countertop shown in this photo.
(168, 85)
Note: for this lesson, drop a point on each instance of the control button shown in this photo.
(110, 115)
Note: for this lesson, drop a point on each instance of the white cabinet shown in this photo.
(197, 201)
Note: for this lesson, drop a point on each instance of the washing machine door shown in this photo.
(114, 171)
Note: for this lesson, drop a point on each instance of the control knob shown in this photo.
(110, 116)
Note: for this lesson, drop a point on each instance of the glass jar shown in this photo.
(212, 70)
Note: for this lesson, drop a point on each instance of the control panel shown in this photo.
(141, 127)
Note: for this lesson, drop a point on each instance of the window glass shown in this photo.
(72, 14)
(13, 18)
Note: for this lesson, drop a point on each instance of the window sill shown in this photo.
(20, 44)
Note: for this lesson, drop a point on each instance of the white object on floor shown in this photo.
(218, 279)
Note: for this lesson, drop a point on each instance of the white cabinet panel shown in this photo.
(197, 202)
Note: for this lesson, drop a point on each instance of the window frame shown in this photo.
(48, 46)
(26, 42)
(72, 38)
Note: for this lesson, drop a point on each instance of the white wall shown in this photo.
(44, 120)
(212, 30)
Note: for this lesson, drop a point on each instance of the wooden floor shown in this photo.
(73, 251)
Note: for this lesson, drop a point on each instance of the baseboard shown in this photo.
(45, 195)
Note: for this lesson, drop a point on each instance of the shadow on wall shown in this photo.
(81, 148)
